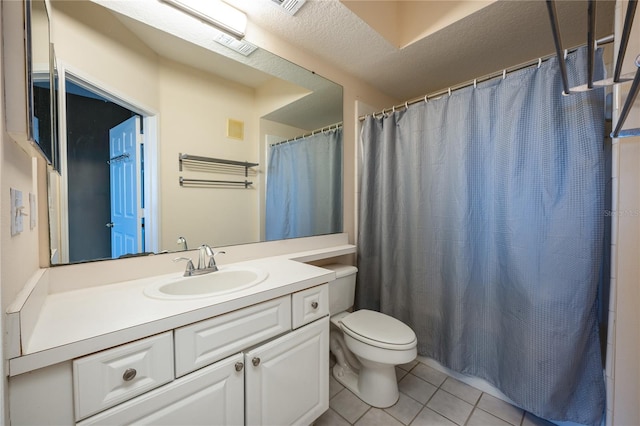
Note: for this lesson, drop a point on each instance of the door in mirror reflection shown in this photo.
(90, 118)
(125, 172)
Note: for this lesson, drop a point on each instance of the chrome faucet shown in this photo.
(204, 266)
(182, 243)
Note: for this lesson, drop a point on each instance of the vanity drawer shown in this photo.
(110, 377)
(206, 342)
(310, 304)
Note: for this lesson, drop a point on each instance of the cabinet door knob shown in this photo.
(129, 374)
(255, 361)
(314, 305)
(239, 366)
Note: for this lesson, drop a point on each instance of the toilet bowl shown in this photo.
(367, 345)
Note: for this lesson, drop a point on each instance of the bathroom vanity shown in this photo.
(110, 354)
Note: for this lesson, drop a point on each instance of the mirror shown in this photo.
(141, 84)
(40, 80)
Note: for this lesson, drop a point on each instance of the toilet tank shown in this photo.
(342, 290)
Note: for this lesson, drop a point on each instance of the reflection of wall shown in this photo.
(92, 41)
(194, 109)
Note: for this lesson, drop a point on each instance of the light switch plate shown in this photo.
(32, 211)
(16, 211)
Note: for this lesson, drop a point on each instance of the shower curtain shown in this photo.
(480, 226)
(304, 187)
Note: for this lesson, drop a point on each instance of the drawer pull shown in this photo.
(314, 305)
(239, 366)
(255, 361)
(129, 374)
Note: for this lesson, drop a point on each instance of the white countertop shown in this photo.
(75, 323)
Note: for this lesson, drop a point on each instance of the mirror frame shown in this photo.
(48, 153)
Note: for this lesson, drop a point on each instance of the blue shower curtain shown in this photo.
(480, 226)
(304, 187)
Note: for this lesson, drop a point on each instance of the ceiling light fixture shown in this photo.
(216, 13)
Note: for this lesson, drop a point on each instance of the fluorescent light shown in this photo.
(215, 12)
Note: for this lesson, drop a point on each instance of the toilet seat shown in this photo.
(379, 330)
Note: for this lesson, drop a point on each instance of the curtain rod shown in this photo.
(322, 130)
(604, 40)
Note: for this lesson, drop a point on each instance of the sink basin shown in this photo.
(226, 280)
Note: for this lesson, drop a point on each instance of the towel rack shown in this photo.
(214, 183)
(214, 165)
(184, 159)
(617, 77)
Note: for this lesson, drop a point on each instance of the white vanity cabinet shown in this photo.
(265, 363)
(108, 378)
(213, 395)
(287, 379)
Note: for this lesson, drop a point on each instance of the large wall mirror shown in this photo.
(149, 96)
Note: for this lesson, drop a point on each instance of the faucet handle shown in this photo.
(207, 249)
(190, 268)
(212, 260)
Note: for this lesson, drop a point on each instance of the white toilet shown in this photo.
(367, 344)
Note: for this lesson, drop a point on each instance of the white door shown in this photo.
(287, 379)
(210, 396)
(125, 178)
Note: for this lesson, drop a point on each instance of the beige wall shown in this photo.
(90, 41)
(194, 109)
(623, 374)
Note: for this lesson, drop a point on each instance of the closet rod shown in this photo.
(324, 129)
(631, 97)
(624, 39)
(117, 158)
(555, 29)
(601, 41)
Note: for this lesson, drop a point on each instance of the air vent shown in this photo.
(289, 6)
(239, 46)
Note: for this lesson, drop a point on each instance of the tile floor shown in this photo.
(427, 397)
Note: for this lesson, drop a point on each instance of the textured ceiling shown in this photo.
(503, 34)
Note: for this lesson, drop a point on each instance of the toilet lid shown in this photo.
(380, 329)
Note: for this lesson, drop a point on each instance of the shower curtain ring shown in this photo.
(406, 105)
(426, 100)
(449, 91)
(504, 73)
(475, 83)
(539, 62)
